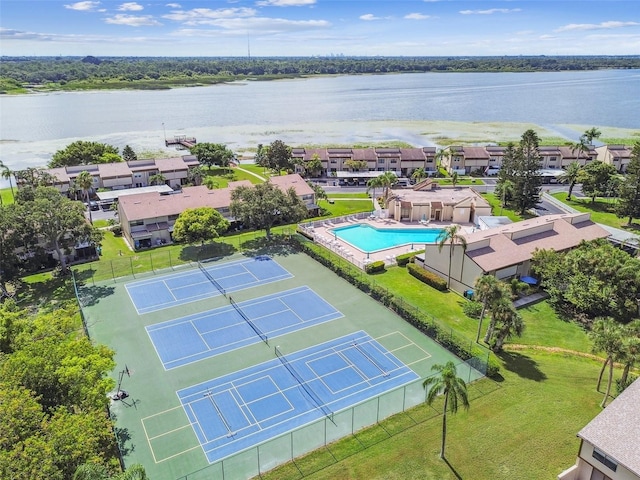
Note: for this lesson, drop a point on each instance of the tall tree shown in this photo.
(570, 175)
(195, 225)
(264, 204)
(311, 167)
(419, 174)
(629, 192)
(606, 335)
(128, 155)
(450, 235)
(278, 157)
(372, 184)
(84, 153)
(212, 154)
(487, 289)
(527, 181)
(446, 383)
(60, 221)
(34, 177)
(596, 179)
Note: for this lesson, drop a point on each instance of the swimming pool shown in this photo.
(370, 239)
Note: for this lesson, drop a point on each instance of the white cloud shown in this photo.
(491, 11)
(369, 17)
(130, 7)
(285, 3)
(132, 20)
(596, 26)
(83, 6)
(200, 16)
(173, 5)
(416, 16)
(261, 25)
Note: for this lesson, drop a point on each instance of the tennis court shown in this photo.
(210, 280)
(240, 410)
(188, 339)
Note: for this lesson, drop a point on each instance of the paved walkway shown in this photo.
(530, 300)
(251, 173)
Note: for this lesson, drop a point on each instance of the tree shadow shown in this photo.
(91, 295)
(453, 470)
(522, 365)
(123, 437)
(265, 246)
(193, 253)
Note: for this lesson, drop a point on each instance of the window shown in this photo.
(429, 160)
(605, 459)
(333, 160)
(173, 218)
(552, 159)
(136, 223)
(381, 161)
(394, 160)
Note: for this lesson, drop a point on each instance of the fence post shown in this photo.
(131, 265)
(113, 275)
(170, 261)
(151, 260)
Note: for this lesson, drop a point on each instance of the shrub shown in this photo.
(427, 277)
(472, 309)
(117, 230)
(375, 267)
(405, 258)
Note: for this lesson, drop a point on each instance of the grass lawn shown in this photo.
(346, 207)
(5, 194)
(524, 427)
(498, 209)
(348, 195)
(461, 181)
(602, 210)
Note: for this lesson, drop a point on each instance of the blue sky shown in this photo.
(319, 27)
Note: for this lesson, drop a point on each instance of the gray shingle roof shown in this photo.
(616, 430)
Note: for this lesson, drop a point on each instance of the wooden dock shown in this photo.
(182, 142)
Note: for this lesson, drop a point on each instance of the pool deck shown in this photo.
(322, 234)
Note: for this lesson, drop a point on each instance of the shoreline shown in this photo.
(244, 139)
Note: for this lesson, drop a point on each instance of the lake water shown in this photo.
(345, 109)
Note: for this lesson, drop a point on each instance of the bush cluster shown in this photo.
(464, 348)
(374, 267)
(427, 277)
(406, 258)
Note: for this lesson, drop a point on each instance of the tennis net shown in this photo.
(251, 324)
(212, 280)
(312, 395)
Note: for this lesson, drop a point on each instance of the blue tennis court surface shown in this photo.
(180, 288)
(240, 410)
(188, 339)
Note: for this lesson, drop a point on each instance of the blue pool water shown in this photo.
(371, 239)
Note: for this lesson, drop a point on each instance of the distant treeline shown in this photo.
(161, 72)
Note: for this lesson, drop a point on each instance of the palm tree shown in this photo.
(570, 176)
(454, 179)
(506, 190)
(508, 324)
(606, 335)
(451, 236)
(387, 180)
(157, 179)
(581, 147)
(372, 184)
(630, 357)
(6, 173)
(590, 134)
(418, 174)
(195, 175)
(454, 390)
(487, 287)
(84, 181)
(501, 309)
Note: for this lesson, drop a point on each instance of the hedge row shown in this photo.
(427, 277)
(464, 348)
(406, 258)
